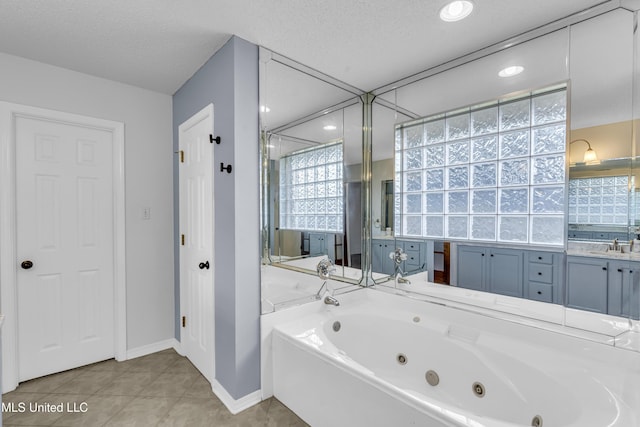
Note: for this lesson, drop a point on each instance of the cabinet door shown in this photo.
(623, 289)
(317, 244)
(505, 272)
(634, 293)
(587, 284)
(471, 267)
(376, 256)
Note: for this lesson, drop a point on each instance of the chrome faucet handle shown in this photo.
(324, 268)
(398, 256)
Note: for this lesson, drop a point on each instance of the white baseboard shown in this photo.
(235, 405)
(152, 348)
(177, 346)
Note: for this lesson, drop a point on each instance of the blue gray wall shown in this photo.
(229, 80)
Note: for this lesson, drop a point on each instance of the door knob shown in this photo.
(26, 264)
(204, 265)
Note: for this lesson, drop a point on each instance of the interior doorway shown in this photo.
(197, 267)
(62, 254)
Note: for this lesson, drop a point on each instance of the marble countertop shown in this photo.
(600, 250)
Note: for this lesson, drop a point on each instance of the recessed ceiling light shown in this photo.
(456, 10)
(511, 71)
(330, 127)
(264, 109)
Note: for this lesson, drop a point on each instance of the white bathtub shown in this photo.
(352, 377)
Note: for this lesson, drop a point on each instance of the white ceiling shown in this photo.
(159, 44)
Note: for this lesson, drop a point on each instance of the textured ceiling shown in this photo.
(159, 44)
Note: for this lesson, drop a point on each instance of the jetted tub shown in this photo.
(380, 359)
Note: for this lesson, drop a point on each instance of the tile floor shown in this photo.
(161, 389)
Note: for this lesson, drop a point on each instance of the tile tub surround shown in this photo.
(161, 389)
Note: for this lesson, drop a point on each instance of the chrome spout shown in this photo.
(400, 279)
(331, 300)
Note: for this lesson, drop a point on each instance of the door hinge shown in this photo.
(182, 239)
(184, 321)
(181, 156)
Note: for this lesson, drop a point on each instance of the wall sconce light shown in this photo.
(589, 155)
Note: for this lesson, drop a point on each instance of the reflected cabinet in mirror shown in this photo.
(522, 186)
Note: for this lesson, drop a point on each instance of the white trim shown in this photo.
(8, 239)
(235, 405)
(152, 348)
(177, 346)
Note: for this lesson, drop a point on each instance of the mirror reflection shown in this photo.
(540, 206)
(311, 194)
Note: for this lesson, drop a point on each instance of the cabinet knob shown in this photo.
(539, 292)
(604, 268)
(539, 273)
(482, 254)
(540, 258)
(619, 270)
(491, 254)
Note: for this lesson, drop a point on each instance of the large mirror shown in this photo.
(588, 67)
(311, 155)
(534, 239)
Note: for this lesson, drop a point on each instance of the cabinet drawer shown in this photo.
(411, 246)
(413, 259)
(541, 257)
(540, 273)
(540, 292)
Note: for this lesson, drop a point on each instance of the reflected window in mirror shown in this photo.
(311, 196)
(494, 172)
(599, 200)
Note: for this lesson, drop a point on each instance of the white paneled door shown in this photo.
(65, 245)
(196, 246)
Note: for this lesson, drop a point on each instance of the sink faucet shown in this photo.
(331, 300)
(616, 246)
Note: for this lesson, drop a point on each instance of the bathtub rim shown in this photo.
(322, 315)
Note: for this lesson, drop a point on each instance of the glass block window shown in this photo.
(599, 200)
(311, 189)
(494, 172)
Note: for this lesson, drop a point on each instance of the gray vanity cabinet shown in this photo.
(587, 280)
(623, 293)
(416, 255)
(604, 285)
(494, 270)
(317, 244)
(380, 261)
(543, 274)
(471, 267)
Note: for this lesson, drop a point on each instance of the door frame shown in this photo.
(8, 238)
(203, 114)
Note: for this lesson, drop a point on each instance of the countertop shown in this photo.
(600, 250)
